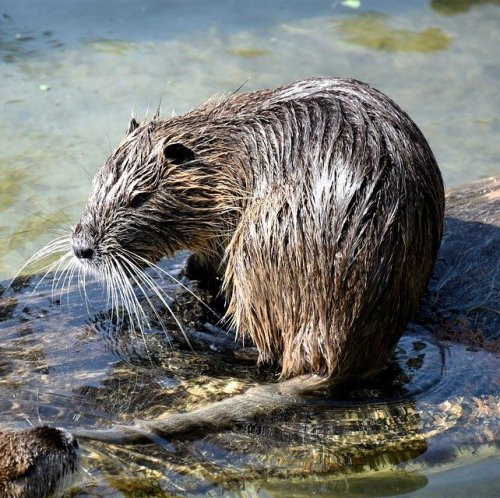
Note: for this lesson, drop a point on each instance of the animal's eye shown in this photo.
(139, 199)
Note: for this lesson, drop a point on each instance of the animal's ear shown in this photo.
(178, 153)
(133, 125)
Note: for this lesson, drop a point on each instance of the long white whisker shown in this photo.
(61, 270)
(49, 268)
(52, 247)
(157, 268)
(62, 275)
(138, 277)
(73, 266)
(133, 303)
(122, 296)
(61, 266)
(111, 292)
(108, 288)
(126, 294)
(152, 285)
(117, 294)
(88, 304)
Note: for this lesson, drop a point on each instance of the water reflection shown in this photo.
(79, 370)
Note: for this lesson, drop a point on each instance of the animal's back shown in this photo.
(342, 224)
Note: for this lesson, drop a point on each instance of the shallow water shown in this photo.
(72, 71)
(434, 412)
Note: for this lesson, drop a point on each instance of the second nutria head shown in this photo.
(36, 462)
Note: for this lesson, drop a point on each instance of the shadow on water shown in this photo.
(437, 402)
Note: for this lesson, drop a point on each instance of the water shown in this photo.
(434, 413)
(71, 72)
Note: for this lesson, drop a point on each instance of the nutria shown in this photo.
(36, 462)
(319, 206)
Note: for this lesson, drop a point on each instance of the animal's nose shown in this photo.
(83, 252)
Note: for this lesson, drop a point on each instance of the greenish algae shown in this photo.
(11, 185)
(373, 31)
(109, 46)
(249, 52)
(452, 7)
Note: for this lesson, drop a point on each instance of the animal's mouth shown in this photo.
(88, 266)
(124, 261)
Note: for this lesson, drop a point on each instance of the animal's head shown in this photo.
(153, 196)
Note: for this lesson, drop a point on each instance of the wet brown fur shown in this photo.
(318, 204)
(36, 462)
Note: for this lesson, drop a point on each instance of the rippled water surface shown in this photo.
(433, 413)
(71, 72)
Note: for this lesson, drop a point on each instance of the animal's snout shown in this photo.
(83, 252)
(82, 244)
